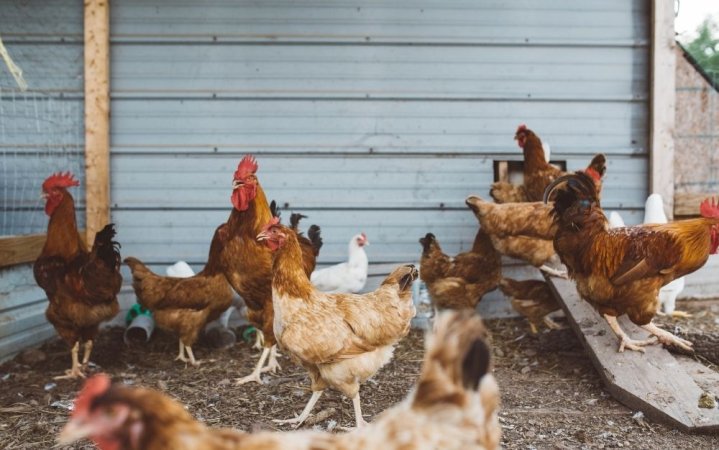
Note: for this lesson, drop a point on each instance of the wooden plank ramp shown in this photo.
(665, 387)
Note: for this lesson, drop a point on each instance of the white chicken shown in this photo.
(654, 213)
(347, 277)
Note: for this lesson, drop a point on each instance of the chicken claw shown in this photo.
(637, 346)
(75, 371)
(668, 338)
(272, 365)
(681, 314)
(254, 376)
(553, 272)
(551, 324)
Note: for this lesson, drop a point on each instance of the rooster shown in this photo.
(538, 173)
(185, 305)
(341, 339)
(81, 286)
(620, 271)
(462, 281)
(348, 277)
(454, 406)
(247, 264)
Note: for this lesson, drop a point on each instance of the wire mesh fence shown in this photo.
(39, 135)
(697, 127)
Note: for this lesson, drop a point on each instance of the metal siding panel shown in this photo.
(373, 116)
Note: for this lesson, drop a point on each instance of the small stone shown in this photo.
(530, 352)
(707, 401)
(525, 370)
(162, 385)
(498, 352)
(224, 382)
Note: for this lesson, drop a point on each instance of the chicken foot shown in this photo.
(88, 350)
(75, 371)
(272, 365)
(551, 324)
(552, 271)
(181, 355)
(299, 420)
(255, 375)
(626, 341)
(358, 411)
(259, 340)
(668, 338)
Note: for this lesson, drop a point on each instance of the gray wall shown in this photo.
(363, 115)
(41, 131)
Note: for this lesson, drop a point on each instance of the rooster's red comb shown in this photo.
(709, 207)
(246, 167)
(59, 179)
(93, 388)
(521, 127)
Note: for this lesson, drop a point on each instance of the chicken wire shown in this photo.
(40, 133)
(697, 129)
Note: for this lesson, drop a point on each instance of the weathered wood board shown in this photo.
(662, 386)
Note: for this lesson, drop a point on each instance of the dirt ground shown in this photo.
(551, 395)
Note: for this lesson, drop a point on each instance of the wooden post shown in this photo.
(663, 95)
(97, 115)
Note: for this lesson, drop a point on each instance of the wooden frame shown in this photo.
(662, 103)
(20, 249)
(97, 115)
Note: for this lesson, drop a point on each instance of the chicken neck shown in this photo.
(62, 236)
(250, 221)
(289, 278)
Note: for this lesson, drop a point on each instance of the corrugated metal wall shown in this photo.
(41, 131)
(365, 115)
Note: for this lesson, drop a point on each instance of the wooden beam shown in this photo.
(97, 115)
(662, 386)
(20, 249)
(663, 95)
(688, 204)
(24, 249)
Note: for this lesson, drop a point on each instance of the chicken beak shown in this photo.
(73, 431)
(236, 184)
(43, 196)
(263, 236)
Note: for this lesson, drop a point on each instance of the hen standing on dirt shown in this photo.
(81, 286)
(341, 339)
(185, 305)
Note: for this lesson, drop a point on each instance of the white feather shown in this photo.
(347, 277)
(180, 270)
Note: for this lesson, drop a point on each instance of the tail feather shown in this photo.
(138, 268)
(295, 220)
(313, 233)
(105, 248)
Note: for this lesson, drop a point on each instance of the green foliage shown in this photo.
(705, 48)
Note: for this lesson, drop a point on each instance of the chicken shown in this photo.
(185, 305)
(454, 406)
(247, 264)
(519, 230)
(538, 173)
(81, 286)
(533, 299)
(620, 271)
(462, 281)
(341, 339)
(654, 213)
(348, 277)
